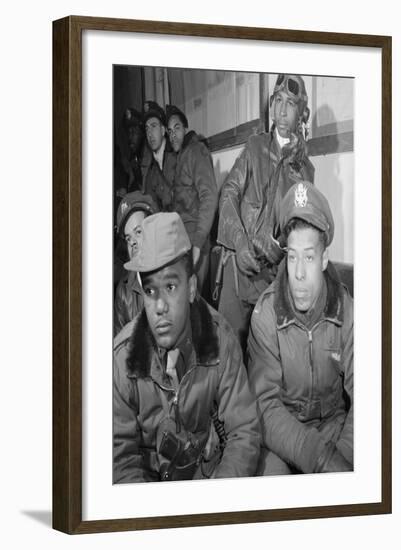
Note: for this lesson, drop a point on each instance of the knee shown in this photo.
(271, 464)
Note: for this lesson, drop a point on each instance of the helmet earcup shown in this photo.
(304, 113)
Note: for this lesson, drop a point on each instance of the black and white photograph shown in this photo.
(199, 279)
(233, 274)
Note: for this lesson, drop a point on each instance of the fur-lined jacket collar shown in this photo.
(142, 347)
(334, 309)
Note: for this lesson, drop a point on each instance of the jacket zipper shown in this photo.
(314, 373)
(176, 395)
(310, 348)
(311, 365)
(175, 398)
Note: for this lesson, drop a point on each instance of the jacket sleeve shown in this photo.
(205, 183)
(237, 410)
(345, 443)
(230, 224)
(295, 443)
(128, 464)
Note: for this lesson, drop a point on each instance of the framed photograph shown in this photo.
(111, 79)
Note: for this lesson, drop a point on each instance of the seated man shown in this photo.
(132, 210)
(182, 404)
(194, 194)
(159, 160)
(301, 348)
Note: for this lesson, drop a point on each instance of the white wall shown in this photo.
(223, 161)
(25, 290)
(334, 176)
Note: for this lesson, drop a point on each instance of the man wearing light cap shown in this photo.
(132, 210)
(194, 194)
(301, 348)
(268, 166)
(182, 404)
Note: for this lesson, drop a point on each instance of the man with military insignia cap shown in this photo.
(182, 404)
(132, 210)
(194, 194)
(268, 166)
(301, 348)
(159, 161)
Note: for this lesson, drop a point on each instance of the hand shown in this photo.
(246, 262)
(268, 249)
(245, 259)
(335, 463)
(195, 255)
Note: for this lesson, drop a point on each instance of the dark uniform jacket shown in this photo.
(256, 184)
(214, 379)
(195, 189)
(303, 378)
(159, 183)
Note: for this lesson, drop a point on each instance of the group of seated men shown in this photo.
(264, 386)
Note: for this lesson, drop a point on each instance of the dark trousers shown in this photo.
(237, 308)
(202, 267)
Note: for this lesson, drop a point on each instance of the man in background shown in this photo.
(159, 162)
(133, 209)
(194, 194)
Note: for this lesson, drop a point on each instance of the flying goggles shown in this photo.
(292, 85)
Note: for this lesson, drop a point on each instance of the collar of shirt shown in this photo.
(158, 155)
(183, 358)
(281, 141)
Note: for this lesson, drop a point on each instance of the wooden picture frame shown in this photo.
(67, 273)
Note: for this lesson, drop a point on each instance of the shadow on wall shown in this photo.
(328, 180)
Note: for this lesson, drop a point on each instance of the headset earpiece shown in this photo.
(305, 116)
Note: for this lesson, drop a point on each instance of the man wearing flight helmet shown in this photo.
(268, 166)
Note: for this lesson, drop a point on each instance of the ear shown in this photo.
(325, 259)
(271, 110)
(192, 284)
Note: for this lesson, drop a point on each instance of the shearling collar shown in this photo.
(334, 309)
(142, 346)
